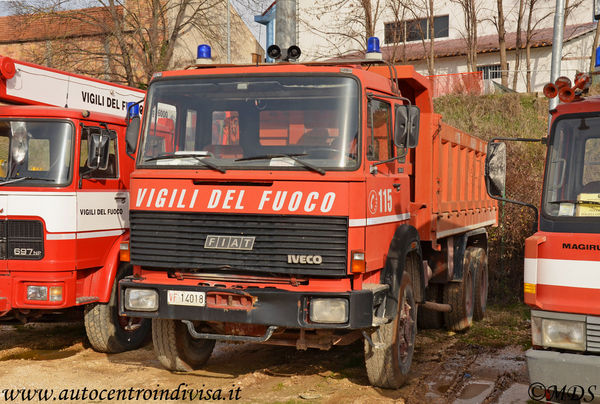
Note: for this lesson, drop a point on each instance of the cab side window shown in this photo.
(379, 124)
(110, 172)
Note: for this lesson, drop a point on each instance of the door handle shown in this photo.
(120, 199)
(396, 187)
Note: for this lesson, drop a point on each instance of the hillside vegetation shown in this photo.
(506, 115)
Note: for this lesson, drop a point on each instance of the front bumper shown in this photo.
(270, 306)
(13, 290)
(563, 369)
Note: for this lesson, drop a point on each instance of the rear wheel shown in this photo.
(481, 282)
(388, 363)
(176, 349)
(431, 319)
(460, 295)
(107, 331)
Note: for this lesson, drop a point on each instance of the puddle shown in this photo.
(40, 354)
(475, 392)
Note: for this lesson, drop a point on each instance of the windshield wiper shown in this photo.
(13, 180)
(578, 202)
(293, 156)
(198, 156)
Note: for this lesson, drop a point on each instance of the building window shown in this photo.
(415, 30)
(491, 71)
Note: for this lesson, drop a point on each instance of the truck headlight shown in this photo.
(331, 311)
(141, 299)
(558, 333)
(37, 292)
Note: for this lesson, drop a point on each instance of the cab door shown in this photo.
(387, 184)
(102, 202)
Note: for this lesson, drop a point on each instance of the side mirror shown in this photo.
(98, 143)
(406, 131)
(131, 136)
(495, 169)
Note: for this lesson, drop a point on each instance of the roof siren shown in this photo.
(565, 90)
(373, 50)
(203, 56)
(293, 53)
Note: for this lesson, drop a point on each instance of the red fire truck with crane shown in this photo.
(293, 206)
(561, 284)
(64, 180)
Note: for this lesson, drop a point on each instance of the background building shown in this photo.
(458, 36)
(126, 43)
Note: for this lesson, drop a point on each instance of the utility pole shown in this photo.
(557, 40)
(285, 25)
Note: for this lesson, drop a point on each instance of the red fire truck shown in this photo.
(292, 206)
(64, 199)
(561, 259)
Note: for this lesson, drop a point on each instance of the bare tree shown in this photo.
(502, 44)
(518, 43)
(350, 23)
(397, 30)
(531, 26)
(470, 11)
(134, 38)
(417, 20)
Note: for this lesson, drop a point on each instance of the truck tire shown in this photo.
(431, 319)
(460, 295)
(106, 330)
(481, 282)
(388, 363)
(176, 349)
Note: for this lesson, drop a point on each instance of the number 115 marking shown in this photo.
(385, 200)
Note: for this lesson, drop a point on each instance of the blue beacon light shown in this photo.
(373, 49)
(133, 108)
(203, 56)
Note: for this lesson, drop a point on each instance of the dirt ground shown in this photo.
(485, 364)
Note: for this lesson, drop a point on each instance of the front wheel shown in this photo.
(388, 363)
(176, 349)
(106, 330)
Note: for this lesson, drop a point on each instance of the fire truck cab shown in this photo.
(64, 200)
(294, 207)
(562, 258)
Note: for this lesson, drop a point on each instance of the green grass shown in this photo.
(501, 327)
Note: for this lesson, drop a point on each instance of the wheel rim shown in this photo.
(406, 329)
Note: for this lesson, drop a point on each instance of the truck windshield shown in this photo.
(572, 183)
(255, 122)
(35, 153)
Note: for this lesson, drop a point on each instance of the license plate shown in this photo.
(185, 298)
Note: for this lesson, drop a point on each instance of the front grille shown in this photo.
(176, 241)
(593, 333)
(21, 239)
